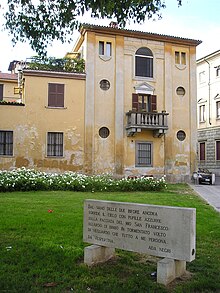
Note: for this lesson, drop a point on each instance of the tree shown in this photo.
(42, 21)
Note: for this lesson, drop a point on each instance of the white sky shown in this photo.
(195, 19)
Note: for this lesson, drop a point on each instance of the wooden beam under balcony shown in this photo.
(138, 121)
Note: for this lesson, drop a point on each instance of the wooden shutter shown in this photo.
(153, 103)
(55, 95)
(1, 92)
(135, 102)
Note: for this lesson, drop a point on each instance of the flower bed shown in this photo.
(27, 179)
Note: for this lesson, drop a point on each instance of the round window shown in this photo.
(180, 91)
(104, 84)
(104, 132)
(181, 135)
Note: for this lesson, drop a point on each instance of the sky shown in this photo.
(195, 19)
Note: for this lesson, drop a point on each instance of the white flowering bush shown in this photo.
(23, 179)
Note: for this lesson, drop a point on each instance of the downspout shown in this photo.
(209, 93)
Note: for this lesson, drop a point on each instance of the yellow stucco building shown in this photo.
(133, 112)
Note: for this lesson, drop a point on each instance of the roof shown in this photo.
(55, 74)
(138, 34)
(9, 76)
(213, 54)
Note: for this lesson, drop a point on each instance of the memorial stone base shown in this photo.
(94, 254)
(169, 269)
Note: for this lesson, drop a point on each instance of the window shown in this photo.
(144, 154)
(202, 113)
(104, 84)
(218, 109)
(104, 132)
(105, 49)
(1, 92)
(202, 77)
(54, 144)
(202, 151)
(56, 95)
(180, 91)
(181, 135)
(218, 150)
(6, 143)
(144, 63)
(217, 71)
(180, 58)
(141, 102)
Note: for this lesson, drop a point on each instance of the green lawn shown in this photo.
(42, 251)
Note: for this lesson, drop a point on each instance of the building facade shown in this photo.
(208, 103)
(132, 114)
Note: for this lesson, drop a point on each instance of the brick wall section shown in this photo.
(209, 136)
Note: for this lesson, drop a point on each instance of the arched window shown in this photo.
(144, 62)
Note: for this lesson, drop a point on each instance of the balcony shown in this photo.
(138, 121)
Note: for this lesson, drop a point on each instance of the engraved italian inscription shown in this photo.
(156, 230)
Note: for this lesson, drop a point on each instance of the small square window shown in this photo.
(6, 143)
(54, 144)
(180, 58)
(56, 95)
(144, 154)
(105, 49)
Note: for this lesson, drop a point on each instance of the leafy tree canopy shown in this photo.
(42, 21)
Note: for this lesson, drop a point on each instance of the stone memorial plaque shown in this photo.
(156, 230)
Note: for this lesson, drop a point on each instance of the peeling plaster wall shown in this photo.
(8, 90)
(180, 156)
(31, 123)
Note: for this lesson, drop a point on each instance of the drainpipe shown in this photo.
(209, 93)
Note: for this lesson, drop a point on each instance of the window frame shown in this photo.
(105, 49)
(57, 149)
(1, 92)
(217, 150)
(149, 100)
(180, 58)
(218, 110)
(202, 115)
(149, 58)
(58, 96)
(202, 76)
(6, 148)
(202, 151)
(148, 157)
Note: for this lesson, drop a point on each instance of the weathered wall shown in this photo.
(31, 123)
(180, 156)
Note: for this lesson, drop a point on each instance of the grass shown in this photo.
(41, 247)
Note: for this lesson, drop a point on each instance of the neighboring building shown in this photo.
(8, 82)
(46, 131)
(137, 115)
(208, 99)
